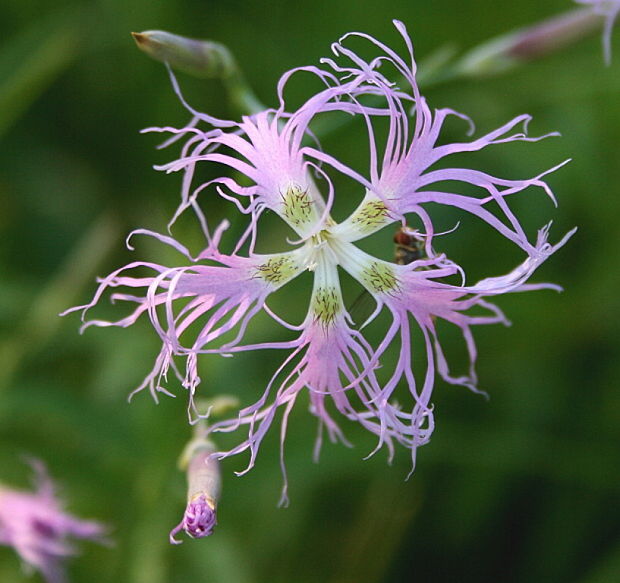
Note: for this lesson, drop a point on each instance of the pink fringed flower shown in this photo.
(191, 307)
(35, 525)
(610, 10)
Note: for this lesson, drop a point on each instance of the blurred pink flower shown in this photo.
(36, 526)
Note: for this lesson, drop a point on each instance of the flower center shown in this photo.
(320, 247)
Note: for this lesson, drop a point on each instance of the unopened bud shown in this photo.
(526, 44)
(201, 58)
(554, 34)
(203, 491)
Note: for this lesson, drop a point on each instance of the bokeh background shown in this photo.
(520, 488)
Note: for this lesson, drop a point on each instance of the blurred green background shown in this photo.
(520, 488)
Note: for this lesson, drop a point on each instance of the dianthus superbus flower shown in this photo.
(287, 172)
(35, 525)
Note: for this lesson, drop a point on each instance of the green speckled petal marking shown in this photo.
(370, 216)
(379, 277)
(326, 305)
(277, 269)
(297, 206)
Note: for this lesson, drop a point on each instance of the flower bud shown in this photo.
(200, 58)
(203, 491)
(529, 43)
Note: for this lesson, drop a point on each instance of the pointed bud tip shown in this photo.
(200, 58)
(146, 41)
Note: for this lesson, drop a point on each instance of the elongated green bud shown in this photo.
(201, 58)
(529, 43)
